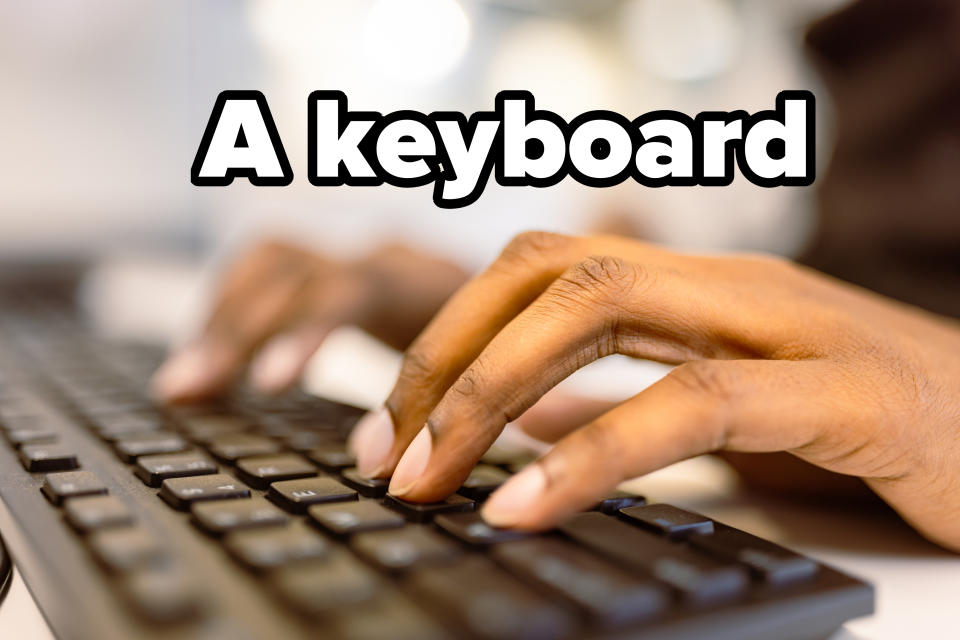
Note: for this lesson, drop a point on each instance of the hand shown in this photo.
(772, 357)
(279, 302)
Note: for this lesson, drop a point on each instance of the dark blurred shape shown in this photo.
(890, 200)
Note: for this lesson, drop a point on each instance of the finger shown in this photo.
(700, 407)
(260, 294)
(598, 307)
(460, 331)
(281, 362)
(454, 338)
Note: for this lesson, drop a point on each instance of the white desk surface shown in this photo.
(917, 583)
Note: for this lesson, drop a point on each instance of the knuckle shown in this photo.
(531, 244)
(418, 370)
(604, 277)
(707, 378)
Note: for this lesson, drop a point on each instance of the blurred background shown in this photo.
(104, 103)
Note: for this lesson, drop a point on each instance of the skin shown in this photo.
(278, 302)
(771, 357)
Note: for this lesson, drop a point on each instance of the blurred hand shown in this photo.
(279, 301)
(772, 357)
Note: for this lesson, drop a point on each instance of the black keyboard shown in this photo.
(244, 518)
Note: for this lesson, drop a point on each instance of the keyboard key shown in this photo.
(263, 549)
(369, 487)
(203, 429)
(424, 511)
(471, 528)
(347, 518)
(619, 500)
(483, 481)
(388, 616)
(499, 456)
(129, 448)
(97, 512)
(321, 587)
(180, 493)
(612, 597)
(490, 603)
(126, 548)
(114, 427)
(296, 495)
(699, 579)
(163, 595)
(39, 458)
(767, 561)
(220, 516)
(332, 457)
(19, 437)
(68, 484)
(303, 440)
(153, 470)
(232, 447)
(668, 520)
(405, 548)
(260, 471)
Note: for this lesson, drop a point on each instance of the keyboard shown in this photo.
(245, 518)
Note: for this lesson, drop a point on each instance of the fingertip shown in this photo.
(278, 365)
(511, 504)
(189, 373)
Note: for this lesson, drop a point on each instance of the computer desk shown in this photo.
(917, 583)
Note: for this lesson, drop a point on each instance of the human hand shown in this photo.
(279, 301)
(772, 357)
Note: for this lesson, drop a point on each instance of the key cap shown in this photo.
(405, 548)
(260, 471)
(424, 511)
(347, 518)
(483, 481)
(619, 500)
(296, 495)
(39, 458)
(129, 448)
(115, 427)
(126, 548)
(499, 456)
(699, 579)
(163, 595)
(232, 447)
(612, 597)
(57, 487)
(19, 437)
(388, 616)
(180, 493)
(324, 586)
(369, 487)
(303, 440)
(332, 457)
(668, 520)
(203, 429)
(220, 516)
(767, 561)
(97, 512)
(263, 549)
(153, 470)
(470, 528)
(490, 603)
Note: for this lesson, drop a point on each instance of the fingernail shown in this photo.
(513, 500)
(182, 374)
(371, 442)
(278, 364)
(412, 464)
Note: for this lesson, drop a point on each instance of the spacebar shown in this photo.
(700, 579)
